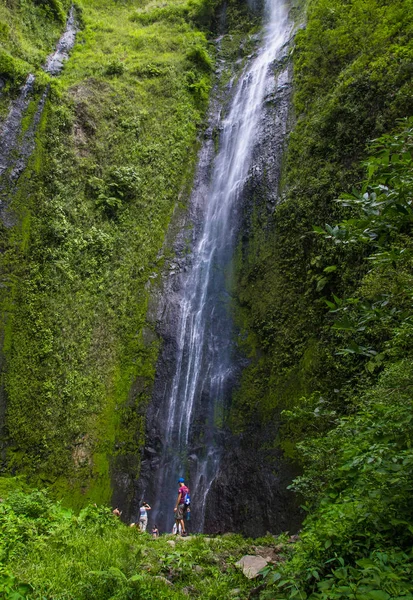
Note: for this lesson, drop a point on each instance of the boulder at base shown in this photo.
(251, 565)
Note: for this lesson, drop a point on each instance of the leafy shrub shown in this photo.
(34, 504)
(110, 205)
(4, 30)
(200, 57)
(199, 87)
(123, 182)
(149, 70)
(11, 588)
(55, 8)
(116, 67)
(96, 516)
(380, 227)
(12, 69)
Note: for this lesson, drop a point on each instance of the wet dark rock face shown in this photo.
(165, 313)
(55, 62)
(248, 492)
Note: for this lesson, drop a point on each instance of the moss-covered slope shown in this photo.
(114, 153)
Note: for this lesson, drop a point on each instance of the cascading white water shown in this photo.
(204, 372)
(16, 148)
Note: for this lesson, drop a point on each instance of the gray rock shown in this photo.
(270, 554)
(163, 579)
(251, 565)
(171, 543)
(150, 451)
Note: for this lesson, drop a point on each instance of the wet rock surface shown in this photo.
(54, 63)
(248, 493)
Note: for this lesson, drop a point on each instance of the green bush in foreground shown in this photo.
(47, 551)
(357, 540)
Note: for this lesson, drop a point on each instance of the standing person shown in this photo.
(180, 505)
(143, 516)
(176, 528)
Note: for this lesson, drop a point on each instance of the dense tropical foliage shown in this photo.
(323, 298)
(358, 468)
(325, 306)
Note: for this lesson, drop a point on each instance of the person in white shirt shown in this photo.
(143, 516)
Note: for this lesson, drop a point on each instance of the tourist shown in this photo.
(176, 528)
(143, 516)
(180, 505)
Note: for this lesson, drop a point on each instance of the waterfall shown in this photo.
(15, 148)
(188, 409)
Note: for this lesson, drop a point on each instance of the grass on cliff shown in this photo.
(29, 30)
(115, 153)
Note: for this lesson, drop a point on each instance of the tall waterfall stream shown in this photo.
(199, 358)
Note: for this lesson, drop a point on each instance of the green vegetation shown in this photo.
(114, 158)
(324, 304)
(352, 81)
(323, 297)
(29, 30)
(114, 155)
(47, 551)
(357, 480)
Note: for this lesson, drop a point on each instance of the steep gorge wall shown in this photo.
(352, 81)
(252, 463)
(114, 155)
(92, 209)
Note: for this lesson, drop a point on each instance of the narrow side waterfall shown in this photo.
(201, 367)
(15, 147)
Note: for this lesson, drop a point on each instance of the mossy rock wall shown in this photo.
(352, 81)
(114, 155)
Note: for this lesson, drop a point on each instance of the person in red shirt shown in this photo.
(180, 506)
